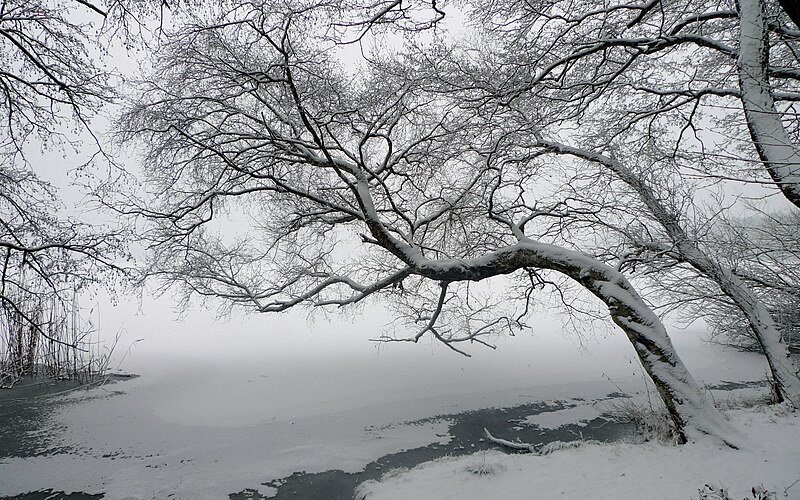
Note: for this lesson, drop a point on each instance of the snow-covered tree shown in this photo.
(278, 178)
(764, 251)
(637, 90)
(673, 241)
(779, 152)
(727, 67)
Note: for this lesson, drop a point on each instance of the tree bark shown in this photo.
(775, 148)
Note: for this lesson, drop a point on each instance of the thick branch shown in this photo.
(781, 157)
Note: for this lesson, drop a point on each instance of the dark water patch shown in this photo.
(467, 431)
(55, 495)
(26, 429)
(732, 386)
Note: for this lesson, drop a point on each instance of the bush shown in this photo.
(42, 336)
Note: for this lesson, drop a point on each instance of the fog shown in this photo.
(245, 370)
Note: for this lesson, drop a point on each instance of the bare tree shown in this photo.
(682, 246)
(727, 67)
(355, 186)
(55, 78)
(46, 259)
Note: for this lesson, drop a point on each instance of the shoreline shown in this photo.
(541, 421)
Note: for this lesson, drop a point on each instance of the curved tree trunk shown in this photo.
(780, 156)
(690, 410)
(692, 413)
(784, 371)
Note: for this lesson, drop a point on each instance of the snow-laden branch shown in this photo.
(514, 445)
(627, 309)
(782, 367)
(781, 157)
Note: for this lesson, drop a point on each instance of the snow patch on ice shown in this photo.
(580, 414)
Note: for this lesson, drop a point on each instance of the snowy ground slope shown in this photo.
(615, 471)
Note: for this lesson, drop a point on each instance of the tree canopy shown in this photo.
(419, 170)
(331, 153)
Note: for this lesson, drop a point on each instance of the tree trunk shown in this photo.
(776, 150)
(784, 371)
(689, 408)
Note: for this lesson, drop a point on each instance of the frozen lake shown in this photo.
(216, 414)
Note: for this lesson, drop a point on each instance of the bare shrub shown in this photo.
(46, 337)
(651, 421)
(482, 467)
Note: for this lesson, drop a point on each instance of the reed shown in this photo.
(46, 336)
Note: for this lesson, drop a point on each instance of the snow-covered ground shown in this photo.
(617, 471)
(200, 423)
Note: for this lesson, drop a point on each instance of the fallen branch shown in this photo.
(546, 449)
(514, 445)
